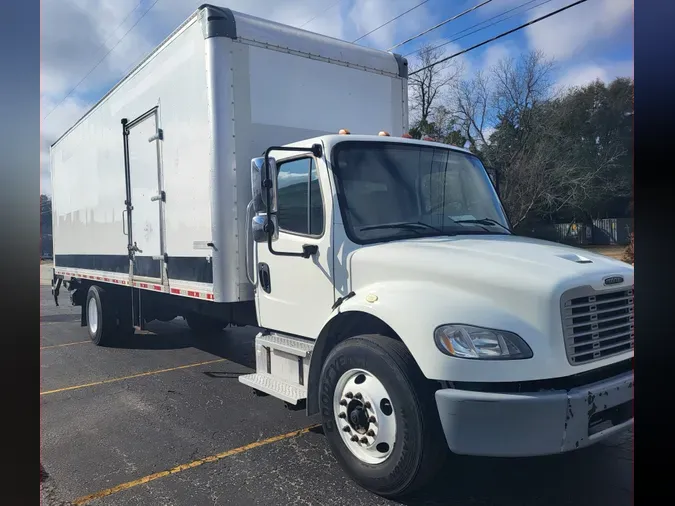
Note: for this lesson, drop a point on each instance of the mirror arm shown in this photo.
(307, 250)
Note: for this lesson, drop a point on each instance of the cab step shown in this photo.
(291, 345)
(282, 366)
(270, 385)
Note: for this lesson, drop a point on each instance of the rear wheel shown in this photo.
(379, 415)
(101, 316)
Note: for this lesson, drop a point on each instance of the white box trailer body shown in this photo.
(217, 92)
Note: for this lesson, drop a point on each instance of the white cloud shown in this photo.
(365, 15)
(580, 75)
(494, 53)
(76, 34)
(571, 32)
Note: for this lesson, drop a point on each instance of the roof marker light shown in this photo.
(407, 136)
(383, 134)
(343, 131)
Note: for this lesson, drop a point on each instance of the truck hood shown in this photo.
(494, 281)
(485, 263)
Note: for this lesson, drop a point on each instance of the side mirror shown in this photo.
(261, 225)
(258, 190)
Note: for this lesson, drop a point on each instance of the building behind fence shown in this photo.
(46, 246)
(602, 232)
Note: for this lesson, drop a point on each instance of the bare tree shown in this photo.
(427, 89)
(531, 134)
(472, 108)
(519, 85)
(527, 149)
(504, 92)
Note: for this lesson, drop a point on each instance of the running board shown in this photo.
(270, 385)
(282, 366)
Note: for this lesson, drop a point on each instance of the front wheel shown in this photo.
(379, 415)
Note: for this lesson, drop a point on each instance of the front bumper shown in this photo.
(541, 423)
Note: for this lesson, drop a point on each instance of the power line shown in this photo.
(390, 21)
(498, 36)
(457, 16)
(320, 13)
(102, 59)
(487, 26)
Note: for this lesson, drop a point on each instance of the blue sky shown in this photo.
(591, 41)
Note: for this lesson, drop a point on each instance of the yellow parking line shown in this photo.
(65, 344)
(149, 373)
(190, 465)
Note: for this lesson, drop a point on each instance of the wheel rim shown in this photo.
(364, 415)
(92, 316)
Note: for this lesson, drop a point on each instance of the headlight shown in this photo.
(465, 341)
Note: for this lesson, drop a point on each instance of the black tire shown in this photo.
(104, 332)
(419, 448)
(204, 325)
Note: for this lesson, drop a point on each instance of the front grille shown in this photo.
(597, 324)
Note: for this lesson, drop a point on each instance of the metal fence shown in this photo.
(603, 232)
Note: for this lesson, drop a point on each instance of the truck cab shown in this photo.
(398, 303)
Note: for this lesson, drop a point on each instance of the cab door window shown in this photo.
(299, 205)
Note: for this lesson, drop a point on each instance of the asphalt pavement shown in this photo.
(162, 419)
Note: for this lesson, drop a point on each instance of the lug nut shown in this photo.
(343, 402)
(349, 395)
(342, 415)
(358, 396)
(347, 428)
(370, 433)
(364, 440)
(355, 438)
(372, 419)
(367, 405)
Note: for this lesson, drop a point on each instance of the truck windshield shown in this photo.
(390, 191)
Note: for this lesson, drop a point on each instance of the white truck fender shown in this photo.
(413, 310)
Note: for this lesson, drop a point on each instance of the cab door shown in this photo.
(295, 295)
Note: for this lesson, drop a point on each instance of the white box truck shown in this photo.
(393, 299)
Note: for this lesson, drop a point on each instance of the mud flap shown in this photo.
(56, 288)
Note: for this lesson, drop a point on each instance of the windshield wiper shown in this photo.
(485, 221)
(411, 225)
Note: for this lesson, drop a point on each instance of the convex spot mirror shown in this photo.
(262, 225)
